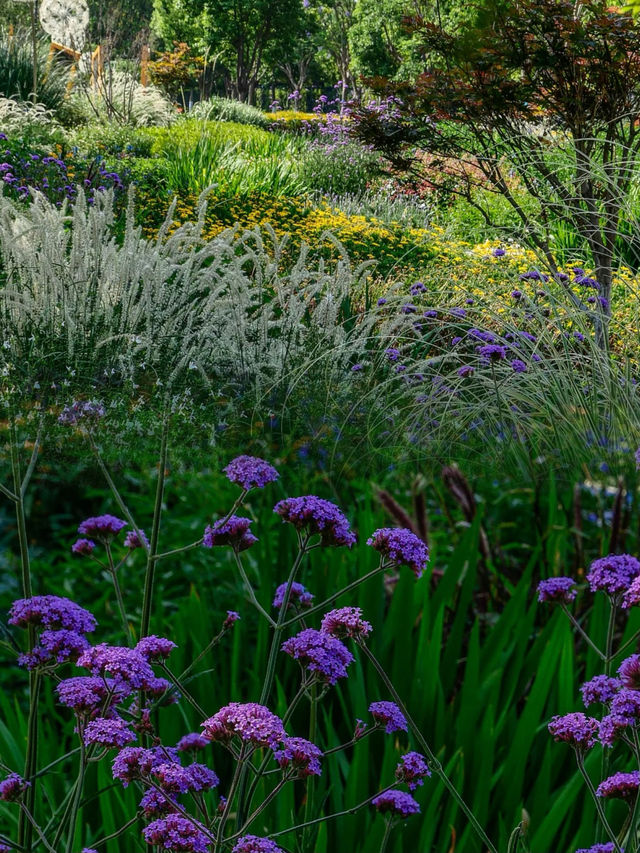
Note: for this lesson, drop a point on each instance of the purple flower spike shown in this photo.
(317, 516)
(108, 733)
(321, 654)
(412, 770)
(235, 532)
(175, 832)
(623, 786)
(250, 722)
(250, 472)
(300, 754)
(557, 589)
(402, 547)
(255, 844)
(576, 729)
(13, 787)
(101, 527)
(345, 622)
(389, 715)
(613, 574)
(397, 803)
(298, 595)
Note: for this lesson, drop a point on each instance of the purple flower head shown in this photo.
(613, 574)
(455, 341)
(127, 666)
(132, 540)
(175, 779)
(176, 833)
(80, 410)
(557, 589)
(357, 368)
(231, 618)
(250, 722)
(402, 547)
(108, 733)
(13, 787)
(600, 689)
(622, 786)
(533, 275)
(418, 287)
(482, 335)
(518, 365)
(389, 715)
(84, 694)
(397, 803)
(164, 755)
(431, 314)
(458, 312)
(382, 301)
(57, 647)
(298, 595)
(300, 754)
(132, 762)
(154, 648)
(516, 294)
(631, 597)
(235, 532)
(576, 729)
(345, 622)
(392, 353)
(465, 371)
(156, 804)
(629, 672)
(412, 770)
(499, 253)
(250, 472)
(611, 727)
(52, 612)
(607, 847)
(408, 308)
(84, 547)
(317, 515)
(320, 653)
(492, 352)
(193, 742)
(101, 527)
(255, 844)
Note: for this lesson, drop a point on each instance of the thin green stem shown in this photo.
(117, 833)
(386, 836)
(57, 761)
(582, 632)
(155, 532)
(249, 589)
(237, 774)
(629, 642)
(183, 690)
(436, 766)
(116, 585)
(24, 825)
(258, 811)
(32, 823)
(307, 833)
(598, 804)
(77, 796)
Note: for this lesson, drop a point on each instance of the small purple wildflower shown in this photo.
(346, 622)
(230, 619)
(101, 527)
(80, 409)
(175, 779)
(576, 729)
(465, 371)
(388, 714)
(317, 515)
(193, 742)
(408, 308)
(108, 733)
(600, 689)
(499, 253)
(607, 847)
(418, 287)
(176, 833)
(412, 770)
(55, 647)
(392, 353)
(631, 597)
(613, 574)
(250, 472)
(132, 762)
(53, 612)
(622, 786)
(382, 301)
(629, 672)
(518, 365)
(321, 654)
(300, 754)
(398, 803)
(127, 666)
(235, 532)
(402, 547)
(255, 844)
(154, 648)
(84, 547)
(84, 694)
(533, 275)
(458, 312)
(13, 787)
(250, 722)
(492, 352)
(298, 595)
(132, 540)
(156, 804)
(557, 589)
(516, 294)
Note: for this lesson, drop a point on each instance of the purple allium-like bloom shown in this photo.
(622, 786)
(250, 722)
(175, 779)
(631, 597)
(492, 352)
(132, 762)
(255, 844)
(250, 472)
(397, 803)
(402, 547)
(465, 371)
(345, 622)
(109, 733)
(235, 532)
(518, 365)
(600, 689)
(388, 714)
(576, 729)
(132, 540)
(156, 804)
(176, 833)
(193, 742)
(101, 527)
(13, 787)
(300, 754)
(613, 574)
(85, 547)
(154, 648)
(298, 595)
(629, 672)
(127, 666)
(557, 589)
(320, 653)
(79, 410)
(317, 515)
(52, 611)
(412, 770)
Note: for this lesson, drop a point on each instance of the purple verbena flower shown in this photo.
(498, 253)
(392, 353)
(85, 547)
(557, 589)
(607, 847)
(193, 742)
(234, 531)
(230, 619)
(402, 547)
(175, 779)
(613, 574)
(576, 729)
(345, 622)
(412, 770)
(127, 666)
(492, 352)
(132, 540)
(600, 689)
(132, 762)
(250, 722)
(176, 833)
(108, 732)
(101, 527)
(397, 803)
(622, 786)
(321, 654)
(154, 648)
(518, 365)
(13, 787)
(302, 755)
(465, 371)
(317, 516)
(84, 694)
(629, 672)
(298, 595)
(250, 472)
(631, 597)
(55, 647)
(255, 844)
(157, 804)
(53, 612)
(79, 410)
(389, 715)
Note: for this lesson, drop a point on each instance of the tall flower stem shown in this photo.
(155, 532)
(307, 832)
(386, 836)
(582, 632)
(238, 774)
(598, 804)
(249, 589)
(116, 585)
(435, 765)
(608, 659)
(77, 797)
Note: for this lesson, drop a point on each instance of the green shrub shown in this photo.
(227, 110)
(340, 169)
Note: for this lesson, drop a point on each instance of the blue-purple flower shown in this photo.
(389, 715)
(401, 547)
(234, 531)
(412, 770)
(109, 733)
(397, 803)
(346, 622)
(176, 833)
(251, 722)
(613, 574)
(560, 590)
(103, 528)
(317, 516)
(576, 729)
(298, 595)
(299, 754)
(256, 844)
(324, 656)
(250, 472)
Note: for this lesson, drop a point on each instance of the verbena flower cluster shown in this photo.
(317, 516)
(250, 472)
(401, 547)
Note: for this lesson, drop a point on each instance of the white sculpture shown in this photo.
(65, 21)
